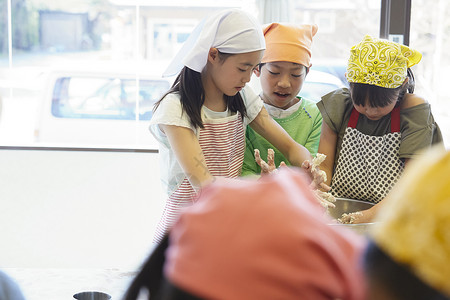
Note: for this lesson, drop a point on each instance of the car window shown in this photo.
(106, 98)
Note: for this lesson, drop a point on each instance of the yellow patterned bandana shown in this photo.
(380, 62)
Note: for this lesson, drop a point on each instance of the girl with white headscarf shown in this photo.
(200, 123)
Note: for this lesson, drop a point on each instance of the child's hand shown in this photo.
(269, 166)
(319, 176)
(363, 216)
(325, 199)
(318, 185)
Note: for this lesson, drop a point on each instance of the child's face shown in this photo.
(231, 74)
(281, 82)
(375, 113)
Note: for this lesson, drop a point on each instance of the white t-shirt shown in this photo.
(170, 112)
(280, 113)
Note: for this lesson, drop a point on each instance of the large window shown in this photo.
(110, 54)
(75, 73)
(430, 28)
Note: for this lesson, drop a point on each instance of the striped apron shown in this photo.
(223, 144)
(368, 166)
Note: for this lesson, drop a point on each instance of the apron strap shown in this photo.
(353, 118)
(395, 119)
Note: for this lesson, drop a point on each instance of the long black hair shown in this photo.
(397, 279)
(151, 278)
(190, 87)
(380, 96)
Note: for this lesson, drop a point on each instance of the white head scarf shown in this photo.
(230, 31)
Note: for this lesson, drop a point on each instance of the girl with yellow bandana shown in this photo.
(372, 129)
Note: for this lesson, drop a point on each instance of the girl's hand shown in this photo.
(269, 166)
(363, 216)
(319, 176)
(325, 199)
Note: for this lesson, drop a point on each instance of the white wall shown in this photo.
(77, 209)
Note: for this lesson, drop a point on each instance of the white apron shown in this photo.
(368, 166)
(223, 144)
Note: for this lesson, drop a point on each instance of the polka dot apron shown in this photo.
(223, 144)
(368, 166)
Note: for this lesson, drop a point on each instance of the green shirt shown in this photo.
(417, 125)
(303, 126)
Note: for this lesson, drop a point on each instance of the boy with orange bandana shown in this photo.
(282, 71)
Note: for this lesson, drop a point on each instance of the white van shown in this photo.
(98, 109)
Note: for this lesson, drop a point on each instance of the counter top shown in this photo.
(57, 284)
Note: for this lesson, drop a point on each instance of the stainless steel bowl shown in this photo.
(344, 205)
(91, 295)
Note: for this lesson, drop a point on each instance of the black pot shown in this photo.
(92, 296)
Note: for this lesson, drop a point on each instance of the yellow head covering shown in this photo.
(288, 43)
(414, 227)
(380, 62)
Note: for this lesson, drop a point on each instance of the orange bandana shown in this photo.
(265, 239)
(289, 43)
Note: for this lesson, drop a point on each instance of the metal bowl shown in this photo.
(91, 295)
(344, 205)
